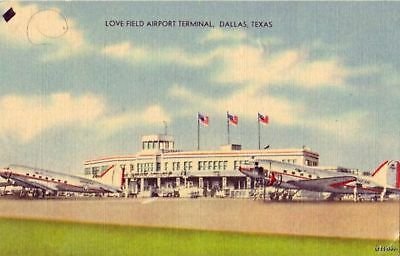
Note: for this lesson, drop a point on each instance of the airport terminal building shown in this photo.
(160, 165)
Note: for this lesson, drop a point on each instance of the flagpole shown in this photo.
(259, 136)
(227, 125)
(198, 132)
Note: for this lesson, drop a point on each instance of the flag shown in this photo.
(233, 119)
(203, 119)
(8, 15)
(263, 118)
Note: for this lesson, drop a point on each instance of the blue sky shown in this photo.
(73, 89)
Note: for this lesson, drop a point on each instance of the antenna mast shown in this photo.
(165, 127)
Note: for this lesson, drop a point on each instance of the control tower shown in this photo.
(158, 143)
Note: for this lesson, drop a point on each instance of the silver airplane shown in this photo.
(288, 179)
(41, 181)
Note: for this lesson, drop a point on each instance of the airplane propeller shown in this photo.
(8, 182)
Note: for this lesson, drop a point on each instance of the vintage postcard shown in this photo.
(199, 128)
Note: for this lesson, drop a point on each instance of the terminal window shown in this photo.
(201, 165)
(175, 166)
(88, 171)
(215, 165)
(187, 165)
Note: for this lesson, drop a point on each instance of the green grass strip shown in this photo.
(36, 237)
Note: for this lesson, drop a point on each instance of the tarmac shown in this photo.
(366, 220)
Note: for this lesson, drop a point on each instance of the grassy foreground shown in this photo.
(33, 237)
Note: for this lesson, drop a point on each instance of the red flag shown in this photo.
(233, 119)
(263, 118)
(203, 119)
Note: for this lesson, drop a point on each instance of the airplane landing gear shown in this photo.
(284, 195)
(23, 193)
(382, 196)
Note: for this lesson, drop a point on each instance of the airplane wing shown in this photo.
(30, 184)
(5, 184)
(393, 191)
(323, 184)
(109, 189)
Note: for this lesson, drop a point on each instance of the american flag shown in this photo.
(233, 119)
(203, 119)
(263, 118)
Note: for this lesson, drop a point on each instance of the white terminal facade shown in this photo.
(159, 164)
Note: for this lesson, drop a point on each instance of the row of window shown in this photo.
(46, 178)
(185, 166)
(158, 145)
(294, 161)
(238, 163)
(290, 161)
(212, 165)
(145, 167)
(311, 163)
(176, 166)
(299, 172)
(94, 170)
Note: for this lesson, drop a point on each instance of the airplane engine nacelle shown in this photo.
(259, 172)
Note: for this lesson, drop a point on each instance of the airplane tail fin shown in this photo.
(388, 174)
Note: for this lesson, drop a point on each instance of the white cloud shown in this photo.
(126, 50)
(245, 63)
(111, 124)
(181, 92)
(250, 64)
(221, 35)
(69, 44)
(42, 28)
(130, 52)
(350, 125)
(25, 117)
(257, 72)
(245, 102)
